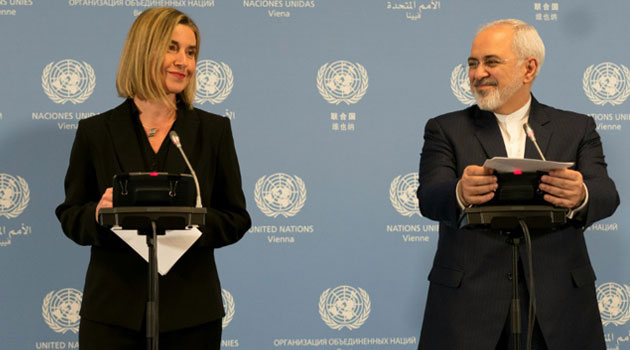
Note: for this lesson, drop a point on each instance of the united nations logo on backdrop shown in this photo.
(68, 81)
(402, 194)
(614, 303)
(14, 198)
(60, 310)
(460, 85)
(228, 305)
(342, 81)
(607, 83)
(344, 306)
(14, 195)
(280, 194)
(214, 82)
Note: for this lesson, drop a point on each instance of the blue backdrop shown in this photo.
(328, 101)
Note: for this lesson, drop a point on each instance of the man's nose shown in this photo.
(478, 73)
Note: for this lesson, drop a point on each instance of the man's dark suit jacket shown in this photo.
(470, 291)
(115, 289)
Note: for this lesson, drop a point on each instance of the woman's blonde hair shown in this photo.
(140, 69)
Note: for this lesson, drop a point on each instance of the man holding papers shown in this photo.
(471, 288)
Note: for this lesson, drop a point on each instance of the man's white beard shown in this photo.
(496, 97)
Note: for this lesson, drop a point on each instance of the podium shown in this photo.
(506, 217)
(514, 222)
(152, 222)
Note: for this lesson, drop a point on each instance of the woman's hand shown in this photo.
(105, 202)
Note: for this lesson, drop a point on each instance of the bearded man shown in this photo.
(471, 281)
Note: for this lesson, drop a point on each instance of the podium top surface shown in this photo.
(141, 217)
(508, 216)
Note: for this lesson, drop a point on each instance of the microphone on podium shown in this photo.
(530, 134)
(175, 139)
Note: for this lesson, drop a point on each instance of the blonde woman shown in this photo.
(156, 76)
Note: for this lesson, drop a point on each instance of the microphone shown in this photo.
(175, 139)
(530, 134)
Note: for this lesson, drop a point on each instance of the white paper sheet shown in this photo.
(508, 165)
(170, 247)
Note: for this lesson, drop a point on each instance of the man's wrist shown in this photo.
(574, 211)
(460, 200)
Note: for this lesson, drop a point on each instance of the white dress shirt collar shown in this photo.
(511, 126)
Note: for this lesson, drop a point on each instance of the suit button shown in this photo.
(508, 276)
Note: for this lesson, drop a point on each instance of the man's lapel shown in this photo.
(539, 122)
(489, 135)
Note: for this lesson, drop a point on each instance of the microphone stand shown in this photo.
(153, 297)
(506, 219)
(515, 308)
(152, 222)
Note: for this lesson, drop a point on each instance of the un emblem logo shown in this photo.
(460, 85)
(342, 81)
(61, 310)
(68, 81)
(280, 194)
(614, 303)
(607, 83)
(228, 305)
(344, 306)
(402, 194)
(214, 82)
(14, 195)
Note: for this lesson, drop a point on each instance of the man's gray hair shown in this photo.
(527, 42)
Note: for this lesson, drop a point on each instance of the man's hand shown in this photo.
(563, 188)
(105, 202)
(477, 185)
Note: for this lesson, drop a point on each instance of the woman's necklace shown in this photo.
(153, 131)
